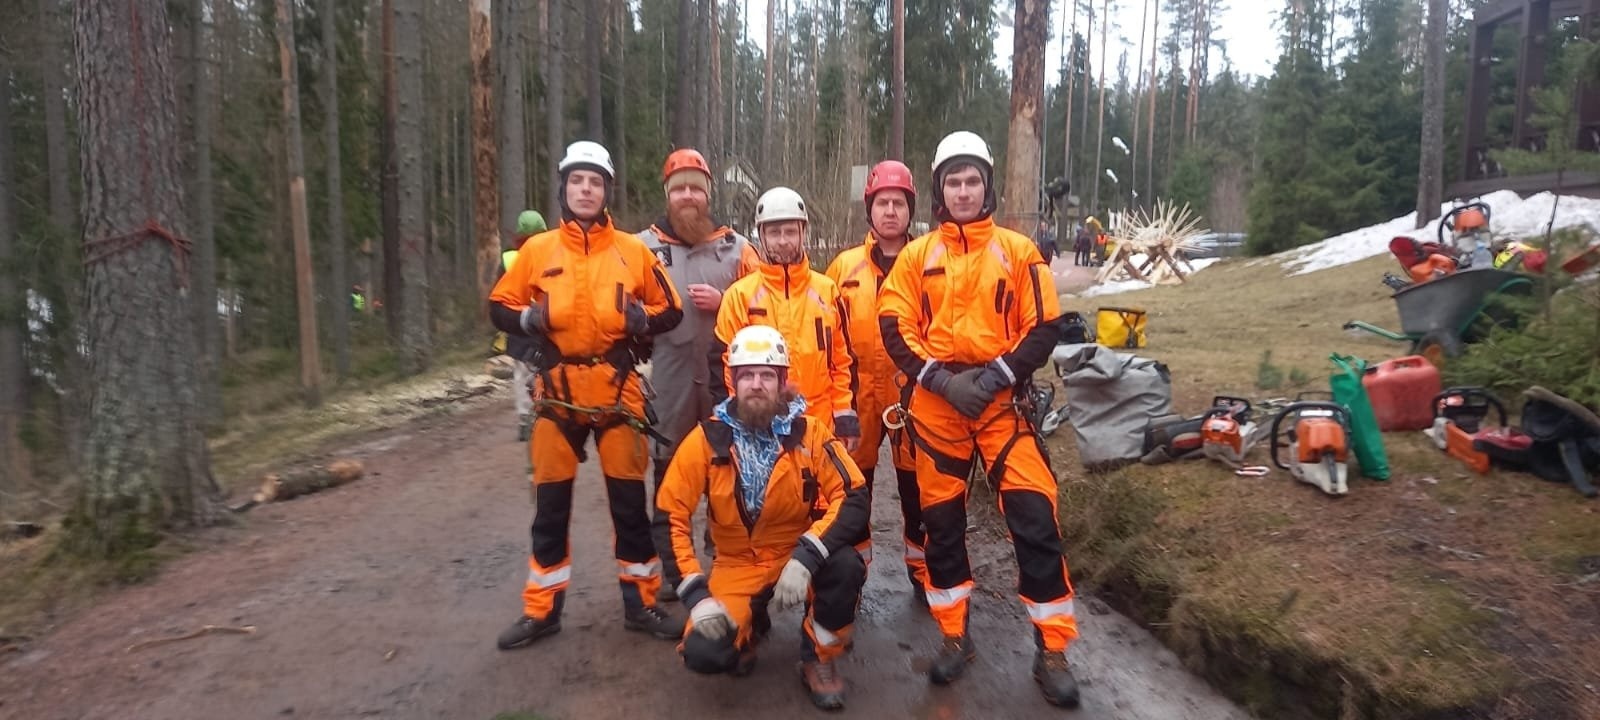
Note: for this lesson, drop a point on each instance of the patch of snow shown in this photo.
(1510, 216)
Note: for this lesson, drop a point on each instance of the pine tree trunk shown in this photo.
(146, 467)
(1150, 125)
(768, 132)
(1069, 53)
(897, 82)
(62, 213)
(513, 138)
(593, 88)
(207, 328)
(300, 226)
(555, 99)
(392, 297)
(1088, 53)
(15, 463)
(337, 251)
(416, 334)
(1100, 124)
(683, 70)
(1031, 30)
(716, 145)
(624, 25)
(1430, 180)
(485, 177)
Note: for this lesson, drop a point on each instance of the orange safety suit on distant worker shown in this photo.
(970, 311)
(803, 305)
(597, 292)
(859, 273)
(804, 512)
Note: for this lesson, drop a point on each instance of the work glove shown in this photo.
(994, 378)
(966, 393)
(636, 322)
(847, 427)
(710, 619)
(535, 319)
(792, 584)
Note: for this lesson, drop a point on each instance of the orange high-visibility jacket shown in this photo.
(859, 275)
(585, 278)
(803, 304)
(815, 496)
(966, 295)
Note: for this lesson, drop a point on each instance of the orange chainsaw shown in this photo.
(1318, 444)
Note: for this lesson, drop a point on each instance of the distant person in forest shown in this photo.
(1080, 246)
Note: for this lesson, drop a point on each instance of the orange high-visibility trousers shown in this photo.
(557, 447)
(745, 588)
(1016, 458)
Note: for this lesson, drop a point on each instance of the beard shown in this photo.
(691, 221)
(758, 410)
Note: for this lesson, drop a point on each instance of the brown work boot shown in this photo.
(952, 660)
(825, 684)
(1055, 678)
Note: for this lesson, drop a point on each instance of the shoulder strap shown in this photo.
(720, 437)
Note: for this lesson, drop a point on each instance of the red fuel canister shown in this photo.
(1402, 392)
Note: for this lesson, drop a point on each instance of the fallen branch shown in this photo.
(277, 488)
(17, 530)
(207, 630)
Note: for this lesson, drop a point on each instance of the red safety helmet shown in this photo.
(890, 175)
(684, 159)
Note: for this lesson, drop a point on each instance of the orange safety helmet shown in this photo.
(890, 175)
(685, 159)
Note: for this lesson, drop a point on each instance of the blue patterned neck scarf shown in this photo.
(756, 451)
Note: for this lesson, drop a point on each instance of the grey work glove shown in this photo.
(535, 319)
(637, 322)
(966, 393)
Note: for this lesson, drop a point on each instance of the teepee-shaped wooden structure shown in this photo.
(1147, 245)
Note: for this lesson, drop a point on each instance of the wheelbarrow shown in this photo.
(1439, 317)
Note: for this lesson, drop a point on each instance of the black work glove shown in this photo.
(635, 319)
(536, 319)
(965, 393)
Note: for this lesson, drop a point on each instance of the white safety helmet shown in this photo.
(758, 345)
(586, 153)
(780, 203)
(962, 143)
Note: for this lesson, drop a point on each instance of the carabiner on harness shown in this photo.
(895, 416)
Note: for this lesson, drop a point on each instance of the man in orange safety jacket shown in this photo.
(970, 312)
(588, 295)
(784, 503)
(891, 198)
(803, 305)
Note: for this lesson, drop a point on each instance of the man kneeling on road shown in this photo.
(784, 505)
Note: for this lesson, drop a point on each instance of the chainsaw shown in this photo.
(1227, 435)
(1171, 437)
(1458, 415)
(1318, 444)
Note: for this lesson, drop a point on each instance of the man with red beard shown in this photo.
(702, 258)
(784, 504)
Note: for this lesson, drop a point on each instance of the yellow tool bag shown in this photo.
(1120, 327)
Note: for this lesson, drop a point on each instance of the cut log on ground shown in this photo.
(15, 530)
(279, 487)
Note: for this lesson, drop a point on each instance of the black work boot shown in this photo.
(919, 594)
(824, 683)
(952, 660)
(655, 621)
(526, 630)
(1055, 679)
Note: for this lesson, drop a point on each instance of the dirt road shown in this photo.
(383, 598)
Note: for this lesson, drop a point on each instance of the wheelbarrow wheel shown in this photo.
(1438, 346)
